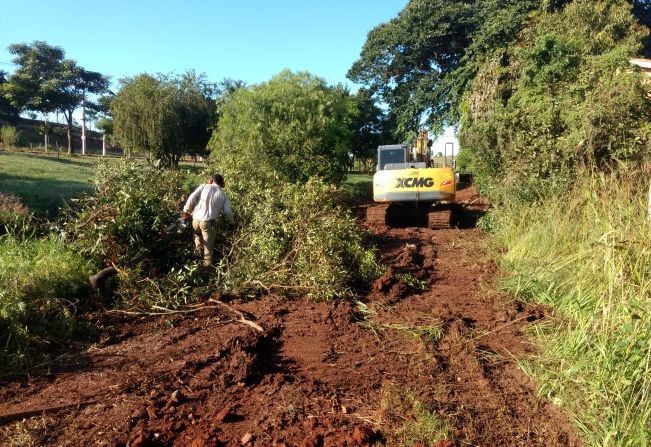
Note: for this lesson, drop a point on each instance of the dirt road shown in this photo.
(431, 339)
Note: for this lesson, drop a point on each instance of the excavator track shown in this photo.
(437, 217)
(376, 214)
(440, 218)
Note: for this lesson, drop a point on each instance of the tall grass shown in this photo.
(588, 256)
(42, 284)
(9, 136)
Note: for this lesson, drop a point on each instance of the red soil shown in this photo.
(318, 374)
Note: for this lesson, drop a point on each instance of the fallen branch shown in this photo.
(242, 319)
(17, 415)
(164, 311)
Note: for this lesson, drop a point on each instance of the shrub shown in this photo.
(43, 283)
(564, 96)
(15, 218)
(290, 128)
(9, 136)
(123, 222)
(279, 145)
(295, 239)
(123, 225)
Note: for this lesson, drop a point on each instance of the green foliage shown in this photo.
(43, 283)
(9, 136)
(47, 82)
(106, 125)
(8, 113)
(165, 116)
(294, 240)
(423, 61)
(14, 217)
(587, 255)
(370, 126)
(291, 128)
(565, 96)
(463, 161)
(122, 223)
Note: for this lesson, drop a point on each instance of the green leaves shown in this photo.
(564, 96)
(422, 62)
(293, 127)
(164, 116)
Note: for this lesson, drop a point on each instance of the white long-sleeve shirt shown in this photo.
(207, 202)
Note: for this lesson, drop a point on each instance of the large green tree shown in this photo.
(47, 82)
(166, 116)
(292, 127)
(370, 125)
(421, 62)
(565, 96)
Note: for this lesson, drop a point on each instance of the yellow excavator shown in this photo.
(417, 193)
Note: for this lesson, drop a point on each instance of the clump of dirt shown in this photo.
(314, 375)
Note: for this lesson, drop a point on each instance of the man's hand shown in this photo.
(186, 216)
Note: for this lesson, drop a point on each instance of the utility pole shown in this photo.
(104, 144)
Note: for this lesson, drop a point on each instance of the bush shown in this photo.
(279, 145)
(123, 222)
(123, 225)
(587, 255)
(294, 240)
(15, 218)
(9, 136)
(43, 283)
(290, 128)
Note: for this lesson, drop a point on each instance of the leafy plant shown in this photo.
(9, 136)
(43, 283)
(563, 97)
(290, 128)
(164, 116)
(123, 225)
(295, 240)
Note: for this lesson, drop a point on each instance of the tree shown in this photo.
(47, 82)
(370, 125)
(292, 127)
(165, 116)
(8, 112)
(422, 62)
(564, 96)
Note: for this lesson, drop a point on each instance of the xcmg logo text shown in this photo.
(415, 182)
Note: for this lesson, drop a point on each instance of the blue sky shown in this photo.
(249, 40)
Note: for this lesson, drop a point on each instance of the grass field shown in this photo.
(44, 182)
(359, 187)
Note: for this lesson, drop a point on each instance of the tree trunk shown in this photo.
(71, 141)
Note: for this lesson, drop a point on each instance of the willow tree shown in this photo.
(164, 116)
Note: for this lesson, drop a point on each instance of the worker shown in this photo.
(204, 205)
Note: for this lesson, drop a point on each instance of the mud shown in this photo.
(318, 373)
